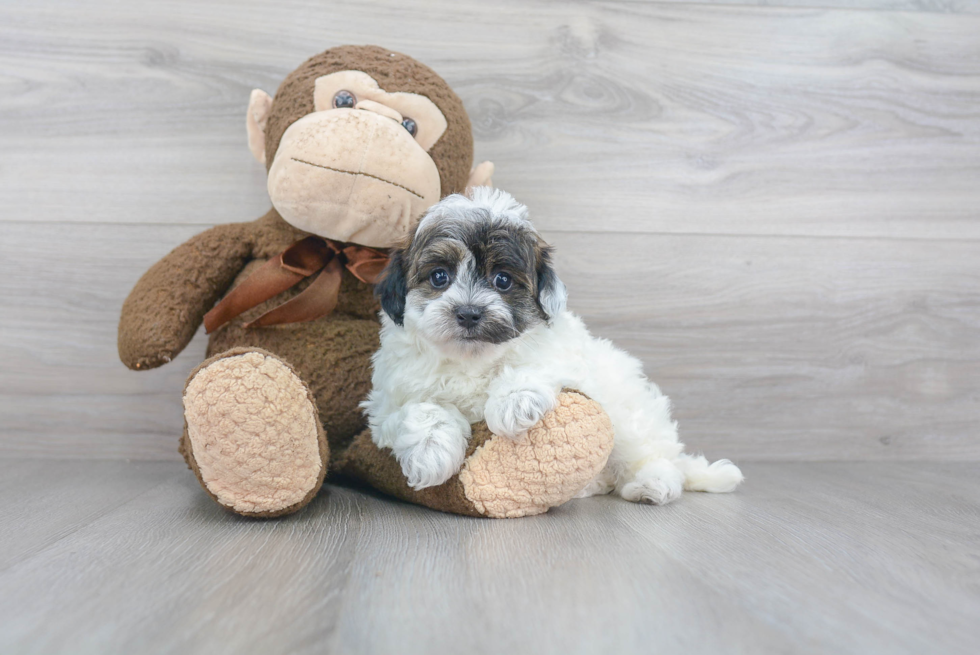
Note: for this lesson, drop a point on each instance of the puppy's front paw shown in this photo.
(431, 445)
(513, 412)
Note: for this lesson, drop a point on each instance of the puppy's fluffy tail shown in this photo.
(720, 477)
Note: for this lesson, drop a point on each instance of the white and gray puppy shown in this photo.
(474, 327)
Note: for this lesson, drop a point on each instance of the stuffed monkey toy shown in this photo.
(358, 142)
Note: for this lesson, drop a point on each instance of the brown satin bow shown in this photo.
(298, 262)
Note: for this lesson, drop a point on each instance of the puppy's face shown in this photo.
(475, 274)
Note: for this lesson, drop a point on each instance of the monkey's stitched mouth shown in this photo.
(375, 177)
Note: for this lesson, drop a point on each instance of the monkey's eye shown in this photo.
(439, 278)
(502, 281)
(344, 100)
(410, 125)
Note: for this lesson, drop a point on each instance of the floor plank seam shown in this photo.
(95, 519)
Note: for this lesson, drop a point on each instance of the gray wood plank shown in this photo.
(805, 558)
(776, 348)
(63, 391)
(643, 117)
(940, 6)
(192, 577)
(577, 581)
(45, 500)
(772, 348)
(824, 534)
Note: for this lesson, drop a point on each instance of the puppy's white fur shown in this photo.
(429, 387)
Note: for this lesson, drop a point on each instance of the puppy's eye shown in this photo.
(502, 281)
(344, 100)
(439, 278)
(410, 125)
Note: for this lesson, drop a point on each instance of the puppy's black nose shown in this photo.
(468, 316)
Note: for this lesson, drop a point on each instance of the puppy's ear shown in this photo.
(552, 296)
(393, 287)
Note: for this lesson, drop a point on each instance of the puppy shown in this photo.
(474, 327)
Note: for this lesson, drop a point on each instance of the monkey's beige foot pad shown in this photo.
(502, 478)
(252, 434)
(557, 458)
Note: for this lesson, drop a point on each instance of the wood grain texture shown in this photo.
(775, 207)
(771, 347)
(939, 6)
(795, 348)
(63, 390)
(641, 117)
(45, 500)
(805, 558)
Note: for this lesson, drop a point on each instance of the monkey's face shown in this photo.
(357, 168)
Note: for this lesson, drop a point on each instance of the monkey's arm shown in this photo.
(165, 308)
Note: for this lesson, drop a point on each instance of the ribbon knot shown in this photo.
(299, 261)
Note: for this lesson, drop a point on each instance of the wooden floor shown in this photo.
(864, 558)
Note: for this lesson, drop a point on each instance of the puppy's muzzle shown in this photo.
(469, 316)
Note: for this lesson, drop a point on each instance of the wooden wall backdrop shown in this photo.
(777, 208)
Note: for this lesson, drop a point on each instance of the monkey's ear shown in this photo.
(480, 176)
(393, 287)
(256, 117)
(552, 295)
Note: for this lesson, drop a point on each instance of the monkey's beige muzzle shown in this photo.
(352, 175)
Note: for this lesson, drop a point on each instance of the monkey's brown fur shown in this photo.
(330, 355)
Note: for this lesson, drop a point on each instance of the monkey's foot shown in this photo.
(501, 477)
(560, 455)
(252, 434)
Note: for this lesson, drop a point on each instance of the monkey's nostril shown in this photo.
(468, 316)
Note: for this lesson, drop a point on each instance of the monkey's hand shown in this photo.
(165, 308)
(480, 175)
